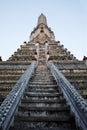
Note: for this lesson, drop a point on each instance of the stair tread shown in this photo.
(46, 82)
(35, 94)
(41, 128)
(44, 118)
(46, 108)
(36, 90)
(24, 100)
(43, 85)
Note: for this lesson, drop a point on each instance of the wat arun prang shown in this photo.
(42, 47)
(42, 35)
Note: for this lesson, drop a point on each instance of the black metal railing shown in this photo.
(77, 104)
(9, 106)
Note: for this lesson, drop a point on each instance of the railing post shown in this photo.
(10, 104)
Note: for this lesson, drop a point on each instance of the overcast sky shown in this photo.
(67, 18)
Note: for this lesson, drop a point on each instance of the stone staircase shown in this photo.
(43, 107)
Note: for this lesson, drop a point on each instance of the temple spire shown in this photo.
(42, 19)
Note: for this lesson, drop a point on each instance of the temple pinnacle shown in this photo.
(42, 19)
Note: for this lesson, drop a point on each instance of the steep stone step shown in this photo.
(42, 80)
(44, 86)
(8, 82)
(43, 98)
(24, 100)
(42, 77)
(5, 89)
(42, 94)
(50, 108)
(42, 55)
(44, 118)
(43, 90)
(9, 77)
(42, 83)
(39, 126)
(45, 106)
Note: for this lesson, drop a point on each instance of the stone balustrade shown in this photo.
(74, 99)
(10, 72)
(9, 107)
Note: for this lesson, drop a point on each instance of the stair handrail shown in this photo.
(77, 104)
(9, 106)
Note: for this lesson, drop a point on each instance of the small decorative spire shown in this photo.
(0, 58)
(42, 19)
(84, 58)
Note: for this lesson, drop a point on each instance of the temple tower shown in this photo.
(45, 84)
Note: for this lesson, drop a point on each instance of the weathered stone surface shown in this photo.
(43, 106)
